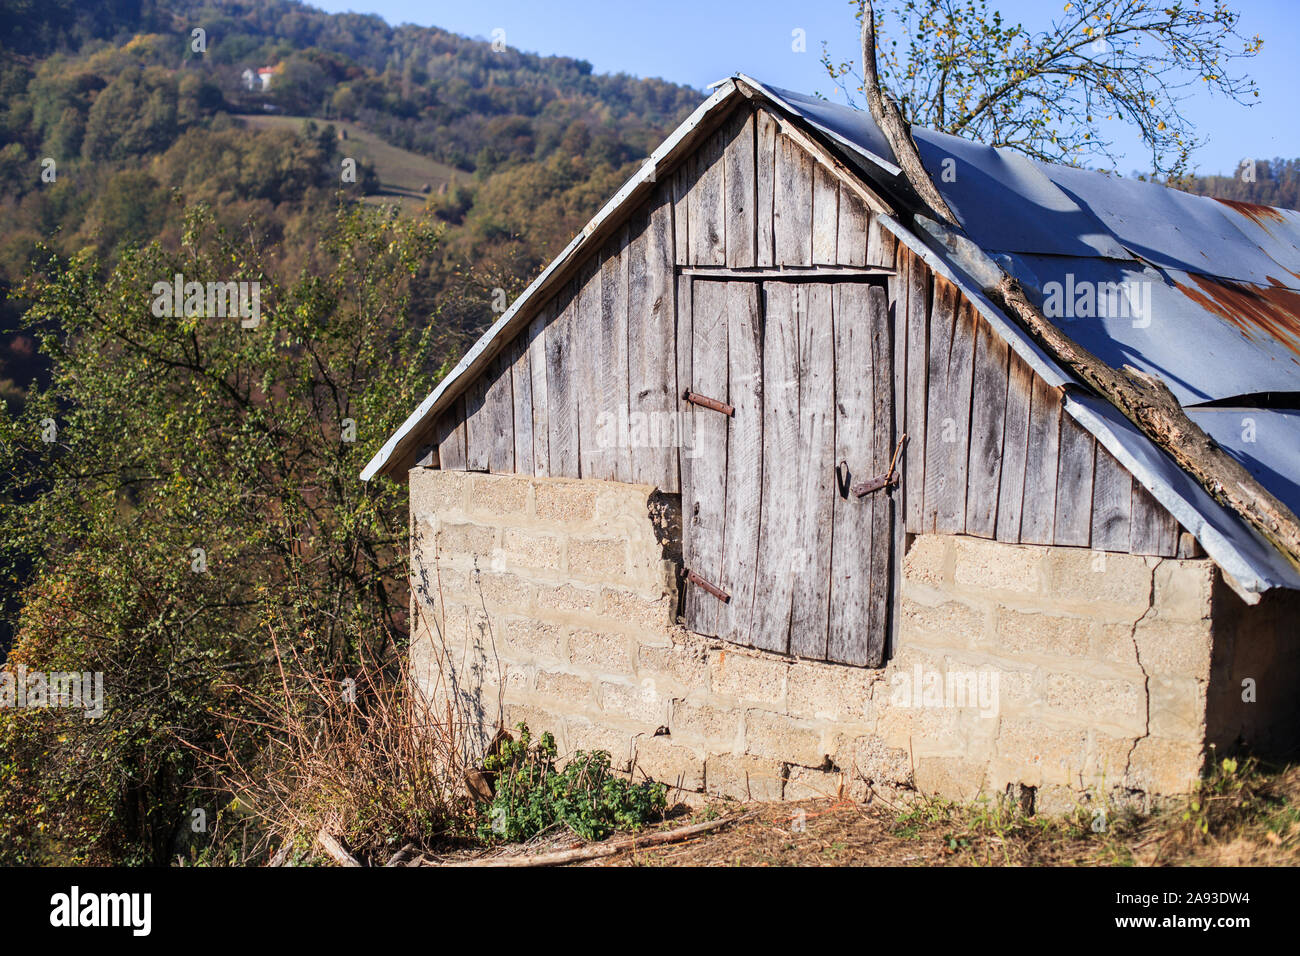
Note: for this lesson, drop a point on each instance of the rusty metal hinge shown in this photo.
(713, 589)
(864, 488)
(695, 398)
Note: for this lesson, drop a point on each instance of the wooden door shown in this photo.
(793, 405)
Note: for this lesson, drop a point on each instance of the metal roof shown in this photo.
(1212, 289)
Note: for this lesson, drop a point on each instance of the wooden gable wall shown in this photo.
(990, 451)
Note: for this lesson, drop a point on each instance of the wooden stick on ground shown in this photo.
(598, 850)
(334, 850)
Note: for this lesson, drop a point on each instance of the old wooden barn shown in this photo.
(757, 488)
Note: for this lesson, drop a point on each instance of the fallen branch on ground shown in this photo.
(334, 850)
(598, 850)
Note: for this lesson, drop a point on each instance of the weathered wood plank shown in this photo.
(478, 425)
(851, 232)
(1074, 479)
(707, 205)
(612, 417)
(489, 418)
(521, 381)
(825, 216)
(881, 243)
(855, 419)
(652, 370)
(1038, 515)
(741, 191)
(449, 435)
(988, 416)
(537, 375)
(1154, 530)
(586, 359)
(810, 557)
(765, 132)
(683, 340)
(882, 509)
(704, 496)
(792, 202)
(951, 368)
(778, 521)
(683, 179)
(918, 360)
(562, 385)
(897, 290)
(744, 462)
(1112, 503)
(1015, 449)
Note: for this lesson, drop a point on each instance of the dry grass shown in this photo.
(366, 761)
(1245, 818)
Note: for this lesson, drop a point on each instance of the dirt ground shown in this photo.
(1237, 819)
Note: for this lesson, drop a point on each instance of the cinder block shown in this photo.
(805, 783)
(748, 677)
(1177, 708)
(436, 492)
(1017, 633)
(1184, 589)
(951, 777)
(466, 538)
(566, 693)
(663, 760)
(502, 590)
(685, 664)
(1165, 766)
(565, 501)
(1175, 648)
(600, 652)
(586, 735)
(831, 692)
(567, 599)
(784, 738)
(1035, 752)
(951, 624)
(743, 777)
(532, 549)
(499, 495)
(926, 561)
(598, 559)
(639, 702)
(1124, 588)
(537, 640)
(878, 764)
(719, 728)
(650, 613)
(1097, 701)
(997, 566)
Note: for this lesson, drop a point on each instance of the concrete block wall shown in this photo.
(555, 600)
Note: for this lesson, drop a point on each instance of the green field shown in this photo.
(402, 173)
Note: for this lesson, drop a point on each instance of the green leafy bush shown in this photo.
(532, 795)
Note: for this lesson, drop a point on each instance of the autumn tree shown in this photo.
(961, 68)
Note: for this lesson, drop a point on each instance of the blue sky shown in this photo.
(698, 41)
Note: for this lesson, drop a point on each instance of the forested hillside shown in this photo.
(133, 116)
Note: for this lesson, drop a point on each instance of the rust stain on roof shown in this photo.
(1253, 211)
(1274, 311)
